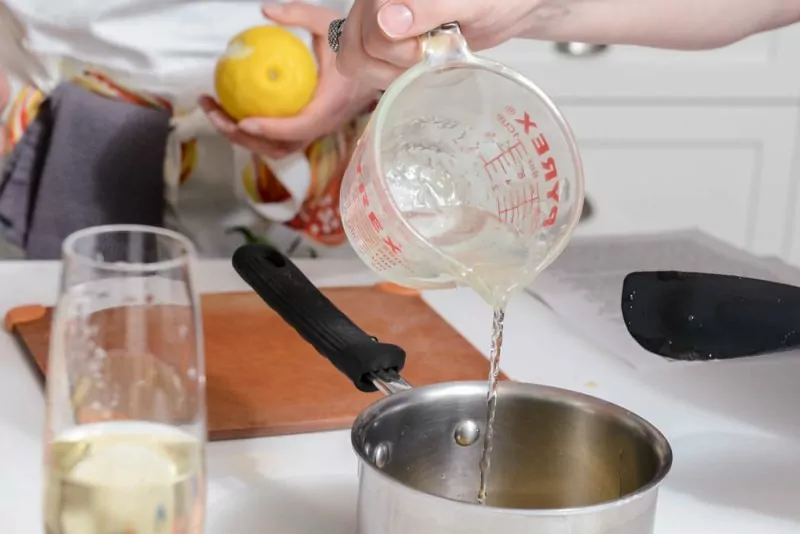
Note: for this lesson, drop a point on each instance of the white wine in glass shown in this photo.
(126, 416)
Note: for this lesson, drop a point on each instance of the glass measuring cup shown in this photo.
(467, 173)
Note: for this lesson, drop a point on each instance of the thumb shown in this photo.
(401, 19)
(309, 17)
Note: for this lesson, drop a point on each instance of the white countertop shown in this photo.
(734, 427)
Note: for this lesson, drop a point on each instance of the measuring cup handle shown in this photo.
(291, 294)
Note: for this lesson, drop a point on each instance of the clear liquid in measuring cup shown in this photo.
(479, 250)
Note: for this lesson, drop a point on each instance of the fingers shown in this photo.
(373, 72)
(292, 129)
(309, 124)
(381, 37)
(236, 135)
(354, 61)
(392, 30)
(403, 53)
(218, 118)
(402, 19)
(310, 17)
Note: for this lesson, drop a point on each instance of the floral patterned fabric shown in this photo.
(317, 219)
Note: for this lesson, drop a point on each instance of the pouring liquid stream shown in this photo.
(488, 255)
(494, 374)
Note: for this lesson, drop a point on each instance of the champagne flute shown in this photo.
(126, 416)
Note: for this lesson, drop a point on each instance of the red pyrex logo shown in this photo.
(546, 160)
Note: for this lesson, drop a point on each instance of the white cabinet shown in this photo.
(725, 170)
(671, 140)
(763, 67)
(792, 241)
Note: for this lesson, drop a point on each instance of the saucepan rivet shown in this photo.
(380, 457)
(467, 433)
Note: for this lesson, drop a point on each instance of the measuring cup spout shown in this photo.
(445, 44)
(370, 364)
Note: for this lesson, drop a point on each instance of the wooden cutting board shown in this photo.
(263, 379)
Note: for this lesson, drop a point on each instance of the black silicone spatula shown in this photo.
(699, 316)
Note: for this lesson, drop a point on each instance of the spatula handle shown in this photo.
(291, 294)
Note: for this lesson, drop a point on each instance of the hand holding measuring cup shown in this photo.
(381, 40)
(467, 173)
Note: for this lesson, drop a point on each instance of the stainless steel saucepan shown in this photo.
(562, 462)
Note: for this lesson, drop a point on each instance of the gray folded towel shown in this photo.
(86, 160)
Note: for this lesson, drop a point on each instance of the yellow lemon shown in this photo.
(266, 71)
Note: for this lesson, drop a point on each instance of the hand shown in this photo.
(336, 101)
(379, 40)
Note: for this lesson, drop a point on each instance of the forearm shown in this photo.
(679, 24)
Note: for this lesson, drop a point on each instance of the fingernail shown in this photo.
(395, 20)
(251, 127)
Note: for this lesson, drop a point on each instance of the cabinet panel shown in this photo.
(644, 187)
(791, 243)
(761, 68)
(660, 168)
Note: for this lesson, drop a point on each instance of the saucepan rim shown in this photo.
(657, 439)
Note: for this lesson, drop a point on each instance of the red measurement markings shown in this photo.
(364, 225)
(356, 222)
(529, 161)
(369, 235)
(368, 243)
(501, 165)
(375, 222)
(518, 204)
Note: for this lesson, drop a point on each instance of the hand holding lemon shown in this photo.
(274, 99)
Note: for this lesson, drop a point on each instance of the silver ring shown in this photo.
(335, 33)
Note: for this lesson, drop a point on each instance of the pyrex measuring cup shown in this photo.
(466, 172)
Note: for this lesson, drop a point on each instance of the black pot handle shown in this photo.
(291, 294)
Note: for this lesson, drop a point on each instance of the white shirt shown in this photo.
(164, 46)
